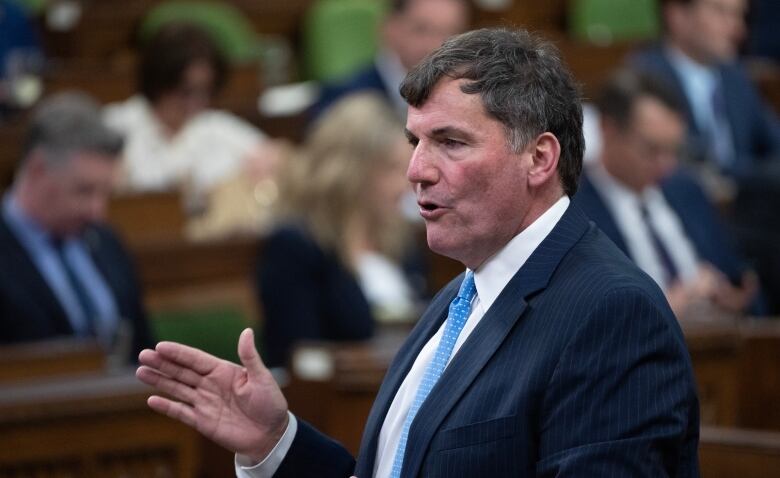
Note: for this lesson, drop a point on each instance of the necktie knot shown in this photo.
(468, 289)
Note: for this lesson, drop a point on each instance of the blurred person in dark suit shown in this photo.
(411, 30)
(332, 265)
(655, 211)
(62, 271)
(729, 125)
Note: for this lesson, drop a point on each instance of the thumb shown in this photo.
(248, 354)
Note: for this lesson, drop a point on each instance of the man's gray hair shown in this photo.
(523, 84)
(67, 123)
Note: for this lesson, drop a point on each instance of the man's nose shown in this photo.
(422, 169)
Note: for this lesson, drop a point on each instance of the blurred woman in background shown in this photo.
(331, 266)
(173, 139)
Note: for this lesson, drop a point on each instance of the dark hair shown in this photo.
(522, 83)
(620, 93)
(67, 123)
(168, 54)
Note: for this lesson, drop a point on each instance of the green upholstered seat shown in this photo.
(232, 31)
(606, 21)
(339, 37)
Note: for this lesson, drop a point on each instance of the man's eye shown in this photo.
(452, 143)
(413, 141)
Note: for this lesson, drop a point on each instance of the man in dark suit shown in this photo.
(552, 355)
(411, 30)
(62, 272)
(729, 125)
(655, 211)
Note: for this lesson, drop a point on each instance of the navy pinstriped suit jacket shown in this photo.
(579, 369)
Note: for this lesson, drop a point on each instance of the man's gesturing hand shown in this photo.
(240, 408)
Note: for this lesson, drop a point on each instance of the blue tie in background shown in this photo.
(460, 309)
(82, 297)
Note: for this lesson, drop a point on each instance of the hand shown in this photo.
(693, 296)
(240, 408)
(737, 298)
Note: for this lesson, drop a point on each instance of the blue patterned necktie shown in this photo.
(460, 309)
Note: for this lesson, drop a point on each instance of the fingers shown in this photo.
(167, 385)
(177, 411)
(247, 352)
(188, 357)
(182, 374)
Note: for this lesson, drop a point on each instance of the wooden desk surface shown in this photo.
(71, 397)
(95, 425)
(50, 358)
(742, 453)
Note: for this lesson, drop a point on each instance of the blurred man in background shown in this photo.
(62, 272)
(655, 212)
(411, 30)
(729, 125)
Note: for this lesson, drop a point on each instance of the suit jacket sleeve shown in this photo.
(313, 454)
(619, 400)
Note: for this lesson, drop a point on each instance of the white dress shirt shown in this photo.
(625, 204)
(490, 279)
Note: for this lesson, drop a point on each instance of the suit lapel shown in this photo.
(427, 326)
(31, 280)
(488, 336)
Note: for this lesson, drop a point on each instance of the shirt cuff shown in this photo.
(246, 468)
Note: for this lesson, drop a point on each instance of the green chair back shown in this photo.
(232, 31)
(339, 37)
(214, 328)
(607, 21)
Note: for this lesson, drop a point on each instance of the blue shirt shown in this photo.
(38, 244)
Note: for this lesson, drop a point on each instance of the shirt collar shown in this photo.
(693, 74)
(25, 226)
(492, 276)
(616, 191)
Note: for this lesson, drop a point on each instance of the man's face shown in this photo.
(471, 188)
(712, 29)
(76, 192)
(422, 27)
(647, 150)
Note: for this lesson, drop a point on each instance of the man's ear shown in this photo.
(545, 152)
